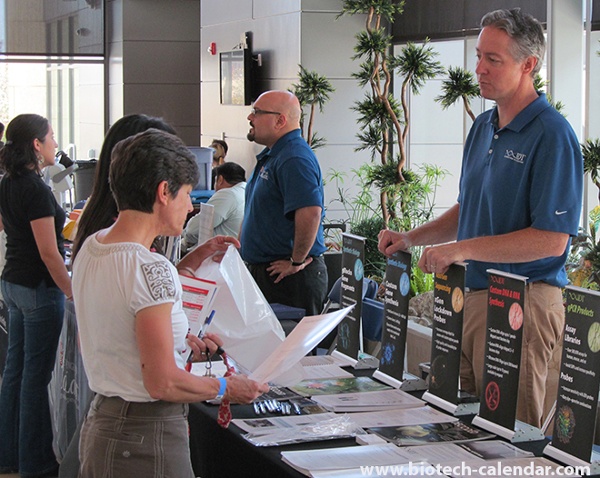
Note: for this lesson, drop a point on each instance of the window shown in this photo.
(52, 63)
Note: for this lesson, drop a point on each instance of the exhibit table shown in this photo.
(224, 453)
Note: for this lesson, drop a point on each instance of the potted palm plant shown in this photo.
(390, 194)
(583, 266)
(462, 85)
(384, 120)
(312, 90)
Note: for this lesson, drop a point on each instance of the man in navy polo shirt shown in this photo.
(282, 232)
(519, 205)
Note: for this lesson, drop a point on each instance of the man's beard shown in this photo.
(250, 136)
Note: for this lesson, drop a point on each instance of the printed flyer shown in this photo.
(506, 298)
(353, 256)
(395, 316)
(446, 340)
(579, 375)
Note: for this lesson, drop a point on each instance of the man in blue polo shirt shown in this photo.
(518, 206)
(282, 232)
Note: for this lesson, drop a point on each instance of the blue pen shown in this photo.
(206, 323)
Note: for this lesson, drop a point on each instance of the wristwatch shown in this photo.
(297, 264)
(222, 388)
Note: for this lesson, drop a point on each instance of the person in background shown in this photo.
(519, 204)
(282, 232)
(101, 209)
(35, 282)
(1, 134)
(228, 203)
(132, 345)
(220, 152)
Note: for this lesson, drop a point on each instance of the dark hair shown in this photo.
(222, 143)
(231, 172)
(524, 29)
(18, 155)
(1, 129)
(141, 162)
(101, 209)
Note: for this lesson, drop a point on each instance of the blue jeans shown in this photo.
(35, 317)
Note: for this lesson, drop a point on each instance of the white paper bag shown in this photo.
(243, 318)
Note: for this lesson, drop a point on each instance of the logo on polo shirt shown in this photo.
(264, 173)
(518, 157)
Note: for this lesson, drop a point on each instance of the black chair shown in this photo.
(288, 316)
(372, 323)
(369, 291)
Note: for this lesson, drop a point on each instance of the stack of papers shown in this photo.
(344, 458)
(368, 401)
(401, 416)
(414, 469)
(396, 417)
(347, 462)
(323, 366)
(344, 385)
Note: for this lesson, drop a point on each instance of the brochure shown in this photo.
(455, 432)
(330, 386)
(368, 401)
(269, 424)
(198, 298)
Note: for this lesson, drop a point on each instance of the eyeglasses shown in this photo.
(257, 111)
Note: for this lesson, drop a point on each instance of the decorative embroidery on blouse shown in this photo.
(160, 280)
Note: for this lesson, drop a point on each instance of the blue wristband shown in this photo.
(222, 388)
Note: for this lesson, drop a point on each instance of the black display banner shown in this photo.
(353, 256)
(506, 297)
(446, 340)
(579, 375)
(393, 336)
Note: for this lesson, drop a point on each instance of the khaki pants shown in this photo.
(543, 325)
(131, 439)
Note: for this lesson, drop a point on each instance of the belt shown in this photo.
(118, 406)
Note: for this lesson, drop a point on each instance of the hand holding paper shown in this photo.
(305, 337)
